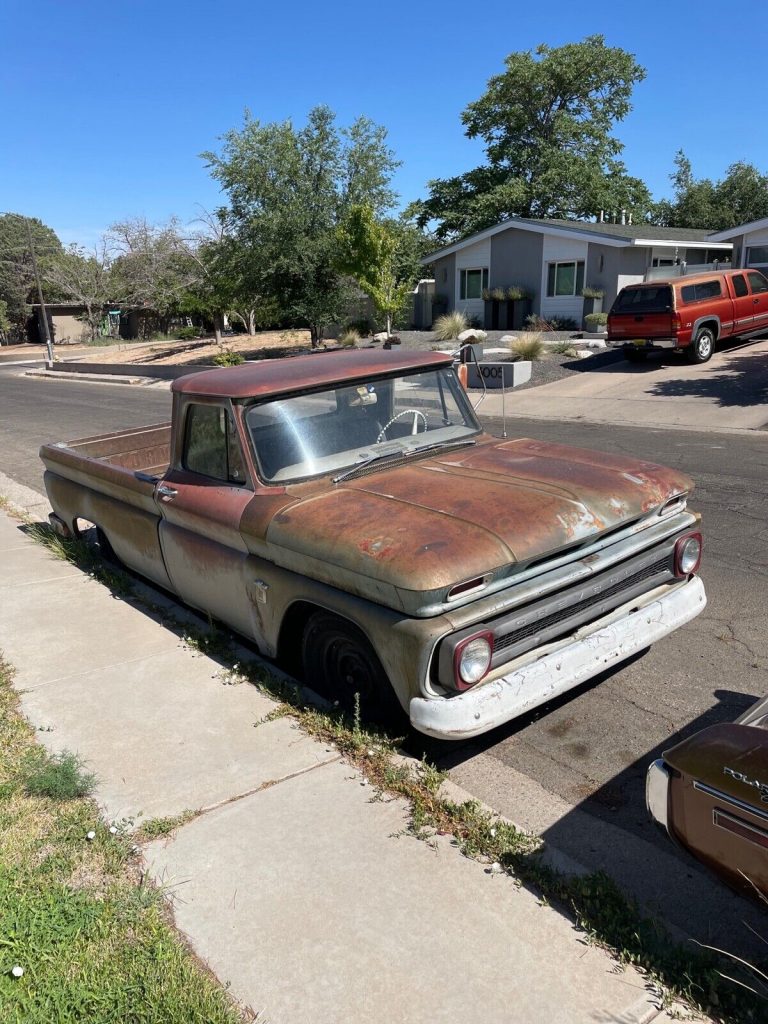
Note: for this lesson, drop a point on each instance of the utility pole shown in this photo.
(43, 311)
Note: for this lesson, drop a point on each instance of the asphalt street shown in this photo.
(590, 750)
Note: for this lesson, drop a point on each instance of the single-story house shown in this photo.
(750, 244)
(553, 260)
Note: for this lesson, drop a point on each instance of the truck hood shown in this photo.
(419, 528)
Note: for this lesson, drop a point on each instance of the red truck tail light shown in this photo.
(687, 554)
(677, 323)
(472, 659)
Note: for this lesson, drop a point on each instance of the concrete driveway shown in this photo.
(729, 392)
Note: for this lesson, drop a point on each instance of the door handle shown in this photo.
(165, 491)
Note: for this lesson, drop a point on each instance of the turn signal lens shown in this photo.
(688, 554)
(472, 660)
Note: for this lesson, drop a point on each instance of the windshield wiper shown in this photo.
(402, 453)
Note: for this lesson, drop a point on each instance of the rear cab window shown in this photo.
(643, 299)
(211, 444)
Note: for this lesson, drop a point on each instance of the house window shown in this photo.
(472, 282)
(663, 261)
(757, 255)
(565, 278)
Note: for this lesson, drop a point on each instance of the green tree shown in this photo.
(547, 124)
(17, 281)
(382, 258)
(740, 197)
(5, 323)
(288, 191)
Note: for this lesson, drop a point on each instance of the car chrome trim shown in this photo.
(726, 798)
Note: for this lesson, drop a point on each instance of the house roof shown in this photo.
(616, 235)
(740, 229)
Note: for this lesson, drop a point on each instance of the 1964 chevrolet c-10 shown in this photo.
(348, 514)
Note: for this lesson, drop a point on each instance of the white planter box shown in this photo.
(498, 375)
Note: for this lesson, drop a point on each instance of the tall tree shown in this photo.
(16, 273)
(738, 198)
(155, 266)
(547, 124)
(83, 277)
(288, 191)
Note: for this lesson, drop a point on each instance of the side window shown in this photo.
(211, 445)
(757, 282)
(699, 292)
(739, 285)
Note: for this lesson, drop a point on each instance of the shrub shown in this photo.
(187, 333)
(592, 293)
(498, 294)
(58, 776)
(349, 338)
(228, 358)
(450, 326)
(515, 293)
(595, 321)
(531, 347)
(534, 322)
(563, 348)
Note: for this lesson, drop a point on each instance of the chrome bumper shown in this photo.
(657, 793)
(650, 343)
(587, 652)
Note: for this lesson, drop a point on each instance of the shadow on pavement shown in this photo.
(742, 381)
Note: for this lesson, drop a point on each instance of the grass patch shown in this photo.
(450, 326)
(532, 348)
(700, 977)
(93, 939)
(563, 348)
(157, 828)
(58, 776)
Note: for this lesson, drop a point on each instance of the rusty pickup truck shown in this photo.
(347, 513)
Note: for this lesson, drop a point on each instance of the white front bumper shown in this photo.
(585, 654)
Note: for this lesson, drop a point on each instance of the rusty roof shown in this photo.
(296, 373)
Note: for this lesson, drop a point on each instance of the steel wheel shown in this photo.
(341, 665)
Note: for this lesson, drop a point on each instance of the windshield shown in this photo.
(309, 435)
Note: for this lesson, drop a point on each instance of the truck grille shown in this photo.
(603, 602)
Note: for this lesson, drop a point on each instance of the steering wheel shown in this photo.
(404, 412)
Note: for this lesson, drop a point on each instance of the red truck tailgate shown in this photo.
(642, 311)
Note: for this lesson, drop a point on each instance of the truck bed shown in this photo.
(145, 449)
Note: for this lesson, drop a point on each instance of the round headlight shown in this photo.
(474, 660)
(688, 555)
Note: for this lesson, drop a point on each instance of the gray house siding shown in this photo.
(602, 270)
(445, 279)
(516, 259)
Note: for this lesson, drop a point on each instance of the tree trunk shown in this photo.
(389, 324)
(251, 321)
(314, 335)
(217, 327)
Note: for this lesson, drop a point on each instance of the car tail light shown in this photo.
(677, 323)
(687, 554)
(472, 659)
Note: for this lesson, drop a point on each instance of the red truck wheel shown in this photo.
(702, 346)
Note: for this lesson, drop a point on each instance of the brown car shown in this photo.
(710, 793)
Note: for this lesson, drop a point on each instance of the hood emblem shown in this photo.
(761, 787)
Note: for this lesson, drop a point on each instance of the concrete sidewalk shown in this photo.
(291, 881)
(730, 392)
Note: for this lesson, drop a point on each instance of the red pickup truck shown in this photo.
(689, 314)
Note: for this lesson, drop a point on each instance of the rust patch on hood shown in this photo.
(436, 521)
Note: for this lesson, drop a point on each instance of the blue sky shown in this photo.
(104, 107)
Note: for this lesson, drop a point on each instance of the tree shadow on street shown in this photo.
(741, 380)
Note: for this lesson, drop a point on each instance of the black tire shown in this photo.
(702, 347)
(339, 663)
(635, 355)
